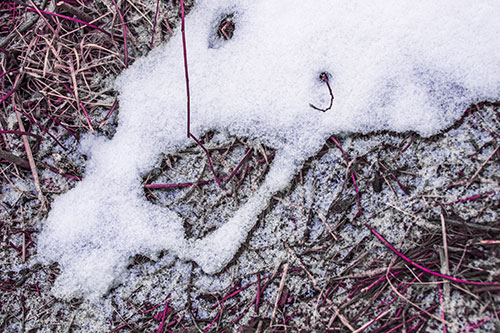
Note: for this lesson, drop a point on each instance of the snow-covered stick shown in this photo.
(402, 256)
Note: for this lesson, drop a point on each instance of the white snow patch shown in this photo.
(399, 65)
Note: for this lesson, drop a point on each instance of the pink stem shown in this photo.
(474, 197)
(257, 298)
(43, 129)
(204, 182)
(38, 137)
(154, 24)
(124, 28)
(408, 145)
(160, 329)
(217, 316)
(51, 168)
(392, 301)
(209, 161)
(413, 318)
(478, 324)
(109, 113)
(447, 277)
(400, 185)
(184, 48)
(181, 185)
(188, 97)
(235, 171)
(68, 18)
(59, 123)
(8, 95)
(88, 118)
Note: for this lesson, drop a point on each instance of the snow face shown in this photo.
(398, 65)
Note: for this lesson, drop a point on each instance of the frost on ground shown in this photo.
(395, 65)
(335, 266)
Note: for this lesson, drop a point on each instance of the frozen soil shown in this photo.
(315, 264)
(310, 263)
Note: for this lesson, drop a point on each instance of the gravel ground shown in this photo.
(311, 262)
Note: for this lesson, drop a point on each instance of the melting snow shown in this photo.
(397, 65)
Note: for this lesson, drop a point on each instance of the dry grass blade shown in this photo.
(32, 164)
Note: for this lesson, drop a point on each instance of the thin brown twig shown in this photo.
(280, 290)
(417, 306)
(31, 161)
(482, 166)
(301, 264)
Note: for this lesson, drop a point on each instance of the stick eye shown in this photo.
(226, 27)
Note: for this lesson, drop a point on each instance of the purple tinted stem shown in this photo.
(472, 327)
(235, 171)
(213, 321)
(7, 95)
(474, 197)
(154, 24)
(124, 28)
(59, 123)
(38, 137)
(88, 118)
(43, 129)
(209, 160)
(160, 329)
(447, 277)
(68, 18)
(184, 49)
(109, 113)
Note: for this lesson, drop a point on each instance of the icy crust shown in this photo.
(397, 65)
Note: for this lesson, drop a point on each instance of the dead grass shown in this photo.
(321, 270)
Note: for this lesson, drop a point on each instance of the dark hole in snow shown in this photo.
(325, 76)
(226, 27)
